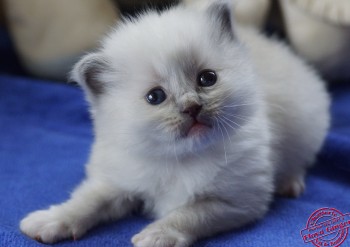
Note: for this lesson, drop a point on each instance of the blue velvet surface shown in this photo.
(45, 137)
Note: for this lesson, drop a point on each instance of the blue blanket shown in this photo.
(45, 138)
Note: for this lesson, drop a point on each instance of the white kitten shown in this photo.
(196, 117)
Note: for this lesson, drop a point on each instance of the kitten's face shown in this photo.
(173, 87)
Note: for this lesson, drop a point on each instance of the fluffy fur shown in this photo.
(266, 118)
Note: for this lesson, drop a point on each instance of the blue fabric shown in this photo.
(45, 137)
(11, 64)
(337, 148)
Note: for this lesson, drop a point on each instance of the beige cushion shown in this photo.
(50, 35)
(246, 12)
(336, 11)
(316, 36)
(252, 12)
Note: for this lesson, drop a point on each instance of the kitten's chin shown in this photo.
(198, 136)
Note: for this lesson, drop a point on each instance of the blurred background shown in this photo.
(44, 38)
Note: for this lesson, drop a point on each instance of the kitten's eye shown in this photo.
(155, 96)
(207, 78)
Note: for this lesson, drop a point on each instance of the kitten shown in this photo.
(196, 117)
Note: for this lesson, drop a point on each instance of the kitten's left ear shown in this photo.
(220, 13)
(88, 73)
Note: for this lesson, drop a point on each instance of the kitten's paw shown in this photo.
(50, 226)
(293, 188)
(158, 236)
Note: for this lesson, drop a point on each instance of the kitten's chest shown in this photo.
(166, 194)
(164, 187)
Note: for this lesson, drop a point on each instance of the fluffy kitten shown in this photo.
(197, 118)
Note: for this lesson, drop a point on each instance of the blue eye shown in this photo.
(207, 78)
(155, 96)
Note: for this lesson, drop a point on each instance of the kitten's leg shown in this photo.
(291, 172)
(291, 185)
(203, 218)
(91, 203)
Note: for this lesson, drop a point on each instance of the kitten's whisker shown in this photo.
(228, 135)
(228, 95)
(236, 116)
(232, 106)
(228, 124)
(232, 121)
(167, 155)
(214, 131)
(223, 140)
(175, 152)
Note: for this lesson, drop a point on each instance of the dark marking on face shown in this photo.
(89, 72)
(188, 62)
(221, 13)
(92, 72)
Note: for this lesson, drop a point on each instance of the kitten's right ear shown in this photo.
(88, 74)
(220, 12)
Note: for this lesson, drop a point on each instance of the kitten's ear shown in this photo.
(88, 74)
(220, 13)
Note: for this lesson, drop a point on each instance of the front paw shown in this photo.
(50, 226)
(293, 187)
(156, 235)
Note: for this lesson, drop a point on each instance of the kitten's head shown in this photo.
(170, 83)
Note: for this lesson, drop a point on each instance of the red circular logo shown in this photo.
(326, 227)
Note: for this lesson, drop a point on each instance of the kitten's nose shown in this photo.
(193, 110)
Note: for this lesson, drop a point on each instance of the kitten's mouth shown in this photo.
(196, 127)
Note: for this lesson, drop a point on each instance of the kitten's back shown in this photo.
(297, 102)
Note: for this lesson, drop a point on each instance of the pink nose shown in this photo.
(193, 110)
